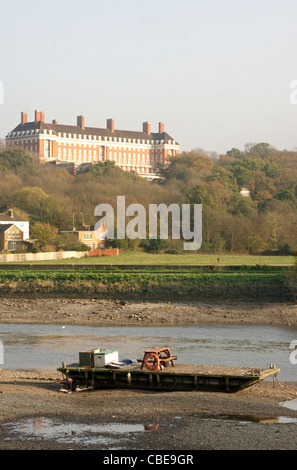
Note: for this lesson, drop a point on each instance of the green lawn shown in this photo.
(141, 258)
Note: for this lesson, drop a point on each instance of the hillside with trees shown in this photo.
(263, 222)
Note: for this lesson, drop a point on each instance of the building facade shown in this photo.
(11, 238)
(142, 152)
(21, 223)
(87, 235)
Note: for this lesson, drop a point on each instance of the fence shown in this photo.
(10, 258)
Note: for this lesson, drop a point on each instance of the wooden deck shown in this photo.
(181, 377)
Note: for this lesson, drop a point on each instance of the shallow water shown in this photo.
(292, 404)
(111, 435)
(47, 346)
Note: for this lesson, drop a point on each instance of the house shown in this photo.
(142, 152)
(19, 222)
(245, 192)
(90, 237)
(11, 238)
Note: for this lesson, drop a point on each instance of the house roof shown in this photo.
(15, 218)
(5, 227)
(102, 132)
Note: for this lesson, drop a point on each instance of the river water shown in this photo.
(47, 346)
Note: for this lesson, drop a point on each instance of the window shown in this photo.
(87, 236)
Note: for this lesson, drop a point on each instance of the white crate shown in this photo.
(102, 358)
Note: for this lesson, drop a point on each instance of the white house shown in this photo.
(19, 222)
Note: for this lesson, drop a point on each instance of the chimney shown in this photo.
(161, 127)
(24, 118)
(10, 213)
(39, 116)
(147, 128)
(110, 124)
(81, 122)
(54, 121)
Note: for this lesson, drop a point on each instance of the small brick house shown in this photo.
(90, 237)
(11, 238)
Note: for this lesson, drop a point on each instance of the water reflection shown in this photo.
(73, 433)
(46, 346)
(111, 435)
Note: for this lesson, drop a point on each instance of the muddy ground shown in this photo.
(36, 414)
(96, 312)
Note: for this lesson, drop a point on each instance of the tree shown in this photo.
(155, 245)
(188, 166)
(286, 195)
(69, 242)
(15, 160)
(199, 195)
(43, 207)
(44, 234)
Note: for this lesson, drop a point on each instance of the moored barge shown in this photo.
(167, 376)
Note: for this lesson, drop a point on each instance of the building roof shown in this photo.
(15, 218)
(102, 132)
(5, 227)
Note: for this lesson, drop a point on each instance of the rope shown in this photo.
(281, 385)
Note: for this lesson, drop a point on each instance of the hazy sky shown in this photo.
(216, 72)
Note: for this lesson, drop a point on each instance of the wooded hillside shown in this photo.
(264, 222)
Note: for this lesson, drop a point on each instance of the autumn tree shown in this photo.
(44, 234)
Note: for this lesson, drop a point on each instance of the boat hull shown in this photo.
(178, 378)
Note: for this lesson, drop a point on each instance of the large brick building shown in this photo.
(140, 151)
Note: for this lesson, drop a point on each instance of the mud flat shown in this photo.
(98, 312)
(36, 414)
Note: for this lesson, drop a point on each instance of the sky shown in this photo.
(216, 72)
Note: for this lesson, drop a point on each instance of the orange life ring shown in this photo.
(156, 361)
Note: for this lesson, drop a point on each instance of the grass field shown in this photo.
(142, 258)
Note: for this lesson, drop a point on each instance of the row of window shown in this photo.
(19, 133)
(89, 236)
(140, 161)
(13, 234)
(125, 161)
(91, 137)
(111, 139)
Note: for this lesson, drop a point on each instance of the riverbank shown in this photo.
(98, 312)
(35, 414)
(163, 284)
